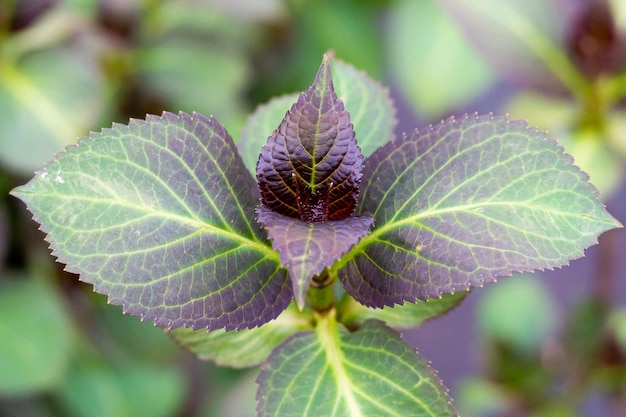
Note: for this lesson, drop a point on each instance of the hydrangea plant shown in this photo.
(346, 235)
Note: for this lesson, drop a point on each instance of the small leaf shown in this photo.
(372, 111)
(306, 249)
(465, 202)
(311, 166)
(352, 313)
(260, 126)
(246, 347)
(158, 215)
(330, 372)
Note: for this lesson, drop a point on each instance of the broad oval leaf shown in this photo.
(306, 249)
(330, 372)
(246, 347)
(465, 202)
(310, 168)
(159, 216)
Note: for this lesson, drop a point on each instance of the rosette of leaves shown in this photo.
(164, 217)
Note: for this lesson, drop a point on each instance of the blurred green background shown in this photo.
(552, 345)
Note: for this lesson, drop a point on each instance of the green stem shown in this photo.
(321, 294)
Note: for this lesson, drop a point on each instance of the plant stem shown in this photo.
(321, 294)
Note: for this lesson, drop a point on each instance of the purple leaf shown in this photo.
(310, 168)
(465, 202)
(306, 249)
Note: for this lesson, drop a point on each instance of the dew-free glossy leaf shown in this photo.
(372, 112)
(159, 216)
(330, 372)
(306, 249)
(246, 347)
(408, 315)
(465, 202)
(260, 125)
(310, 167)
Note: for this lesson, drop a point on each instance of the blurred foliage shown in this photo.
(71, 66)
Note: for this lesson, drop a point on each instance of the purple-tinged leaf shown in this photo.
(159, 216)
(310, 168)
(465, 202)
(306, 249)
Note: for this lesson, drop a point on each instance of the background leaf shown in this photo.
(306, 249)
(310, 167)
(97, 390)
(48, 98)
(432, 64)
(36, 336)
(246, 347)
(158, 216)
(523, 39)
(465, 202)
(371, 372)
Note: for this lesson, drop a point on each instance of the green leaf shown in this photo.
(465, 202)
(125, 390)
(518, 312)
(158, 215)
(196, 76)
(330, 372)
(47, 99)
(36, 336)
(246, 347)
(371, 109)
(306, 249)
(259, 128)
(432, 64)
(408, 315)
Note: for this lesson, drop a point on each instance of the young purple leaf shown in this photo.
(310, 168)
(306, 249)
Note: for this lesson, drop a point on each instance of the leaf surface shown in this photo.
(408, 315)
(306, 249)
(330, 372)
(310, 167)
(246, 347)
(465, 202)
(158, 215)
(371, 109)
